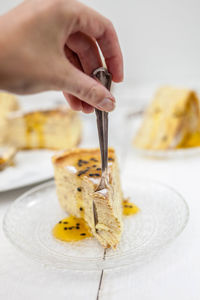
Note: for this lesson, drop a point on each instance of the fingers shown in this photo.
(87, 109)
(77, 104)
(87, 51)
(109, 45)
(72, 57)
(74, 102)
(93, 24)
(85, 88)
(89, 28)
(89, 57)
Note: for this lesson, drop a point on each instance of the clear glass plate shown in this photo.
(162, 217)
(134, 124)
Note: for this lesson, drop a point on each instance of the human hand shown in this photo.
(52, 45)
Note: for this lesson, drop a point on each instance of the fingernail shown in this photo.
(107, 104)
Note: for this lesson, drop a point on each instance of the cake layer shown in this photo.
(77, 175)
(53, 129)
(171, 118)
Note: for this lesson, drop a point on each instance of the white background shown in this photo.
(161, 43)
(160, 38)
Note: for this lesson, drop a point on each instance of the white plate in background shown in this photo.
(30, 167)
(134, 123)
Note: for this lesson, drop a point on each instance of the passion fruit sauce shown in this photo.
(71, 229)
(129, 208)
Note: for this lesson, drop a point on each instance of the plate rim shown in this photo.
(168, 153)
(39, 180)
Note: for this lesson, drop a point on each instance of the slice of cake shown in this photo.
(52, 129)
(77, 175)
(8, 103)
(7, 155)
(170, 121)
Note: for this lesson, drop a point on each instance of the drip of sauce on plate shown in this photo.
(71, 229)
(129, 208)
(74, 229)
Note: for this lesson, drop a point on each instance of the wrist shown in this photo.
(2, 36)
(3, 58)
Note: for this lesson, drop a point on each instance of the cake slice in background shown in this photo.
(8, 103)
(77, 175)
(58, 128)
(171, 121)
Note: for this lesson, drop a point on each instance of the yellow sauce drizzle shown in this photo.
(2, 161)
(193, 140)
(71, 229)
(35, 127)
(129, 208)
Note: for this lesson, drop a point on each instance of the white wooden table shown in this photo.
(174, 274)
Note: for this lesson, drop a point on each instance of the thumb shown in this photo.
(88, 90)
